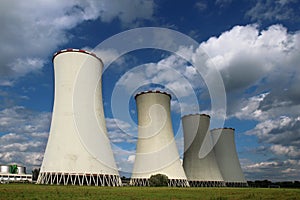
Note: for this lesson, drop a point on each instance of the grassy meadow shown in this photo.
(31, 191)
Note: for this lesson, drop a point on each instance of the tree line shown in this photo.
(270, 184)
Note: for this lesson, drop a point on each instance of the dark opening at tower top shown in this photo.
(75, 50)
(152, 91)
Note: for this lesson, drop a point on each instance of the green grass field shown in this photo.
(30, 191)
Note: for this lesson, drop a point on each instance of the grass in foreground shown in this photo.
(30, 191)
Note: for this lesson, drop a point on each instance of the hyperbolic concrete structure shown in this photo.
(156, 151)
(78, 151)
(227, 158)
(200, 172)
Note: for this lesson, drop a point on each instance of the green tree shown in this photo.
(158, 180)
(13, 169)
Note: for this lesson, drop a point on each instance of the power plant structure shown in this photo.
(156, 150)
(227, 158)
(200, 172)
(78, 151)
(14, 173)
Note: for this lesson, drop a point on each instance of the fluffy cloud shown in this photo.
(249, 108)
(245, 56)
(30, 30)
(273, 10)
(19, 120)
(282, 134)
(172, 74)
(260, 69)
(23, 137)
(251, 62)
(290, 151)
(120, 131)
(127, 11)
(201, 6)
(284, 170)
(131, 158)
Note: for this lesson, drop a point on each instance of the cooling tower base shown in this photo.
(139, 182)
(171, 183)
(207, 183)
(55, 178)
(178, 183)
(236, 184)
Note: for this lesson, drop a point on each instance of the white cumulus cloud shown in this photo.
(32, 30)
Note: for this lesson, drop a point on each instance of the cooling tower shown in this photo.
(227, 158)
(156, 151)
(202, 172)
(78, 151)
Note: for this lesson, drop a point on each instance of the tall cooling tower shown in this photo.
(200, 172)
(156, 151)
(78, 151)
(227, 157)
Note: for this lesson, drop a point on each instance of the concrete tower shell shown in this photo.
(200, 172)
(78, 151)
(156, 151)
(227, 158)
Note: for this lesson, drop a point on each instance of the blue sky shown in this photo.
(255, 45)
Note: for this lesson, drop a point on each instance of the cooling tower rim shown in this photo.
(75, 50)
(194, 114)
(152, 91)
(225, 128)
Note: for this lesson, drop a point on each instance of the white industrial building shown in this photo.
(156, 150)
(227, 158)
(17, 175)
(78, 151)
(200, 172)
